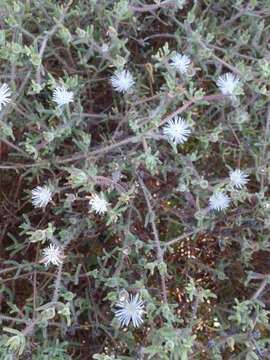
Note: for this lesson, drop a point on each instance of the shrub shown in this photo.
(135, 175)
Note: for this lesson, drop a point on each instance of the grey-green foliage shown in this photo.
(203, 275)
(53, 350)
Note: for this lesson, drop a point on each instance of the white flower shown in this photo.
(122, 81)
(104, 47)
(99, 204)
(238, 178)
(131, 309)
(41, 196)
(5, 94)
(181, 62)
(61, 96)
(227, 83)
(177, 130)
(52, 255)
(219, 201)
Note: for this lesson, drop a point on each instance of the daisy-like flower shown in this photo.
(238, 178)
(227, 84)
(122, 81)
(130, 310)
(180, 62)
(219, 201)
(5, 94)
(177, 130)
(61, 96)
(52, 255)
(41, 196)
(99, 204)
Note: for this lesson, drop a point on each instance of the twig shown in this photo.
(57, 283)
(9, 318)
(147, 8)
(19, 266)
(138, 138)
(159, 251)
(46, 38)
(181, 237)
(15, 147)
(265, 144)
(108, 148)
(260, 289)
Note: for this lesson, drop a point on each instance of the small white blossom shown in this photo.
(122, 81)
(5, 94)
(181, 62)
(52, 255)
(99, 204)
(177, 130)
(41, 196)
(61, 96)
(104, 48)
(238, 178)
(131, 310)
(227, 84)
(219, 201)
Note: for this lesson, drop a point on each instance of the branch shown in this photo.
(265, 144)
(159, 251)
(46, 38)
(260, 289)
(147, 8)
(102, 149)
